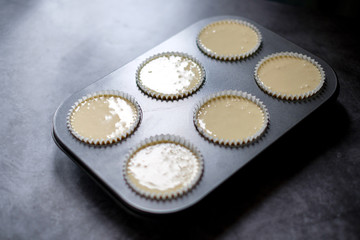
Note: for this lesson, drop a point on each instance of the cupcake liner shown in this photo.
(109, 140)
(289, 96)
(229, 57)
(163, 96)
(164, 139)
(238, 142)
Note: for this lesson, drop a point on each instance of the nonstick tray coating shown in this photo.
(105, 163)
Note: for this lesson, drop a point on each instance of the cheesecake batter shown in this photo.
(171, 74)
(162, 168)
(230, 118)
(228, 38)
(289, 75)
(103, 117)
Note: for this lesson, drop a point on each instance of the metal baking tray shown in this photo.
(104, 163)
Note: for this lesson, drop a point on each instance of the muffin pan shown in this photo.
(105, 163)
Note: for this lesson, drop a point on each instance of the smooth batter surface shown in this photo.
(103, 117)
(230, 118)
(289, 75)
(163, 168)
(170, 75)
(229, 38)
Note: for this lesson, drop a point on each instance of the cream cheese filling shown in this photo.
(230, 118)
(289, 75)
(229, 38)
(103, 117)
(162, 168)
(170, 74)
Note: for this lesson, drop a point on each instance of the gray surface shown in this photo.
(48, 50)
(176, 117)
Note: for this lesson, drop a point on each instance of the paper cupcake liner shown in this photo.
(229, 57)
(109, 140)
(289, 96)
(165, 96)
(164, 139)
(227, 142)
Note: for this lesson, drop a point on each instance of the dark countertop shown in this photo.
(306, 186)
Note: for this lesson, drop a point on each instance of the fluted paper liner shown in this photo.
(234, 57)
(164, 139)
(108, 140)
(165, 96)
(235, 93)
(289, 96)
